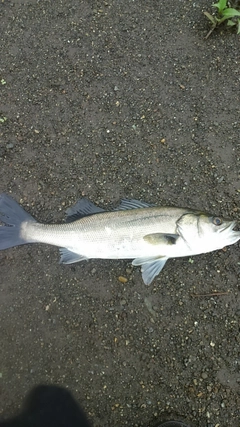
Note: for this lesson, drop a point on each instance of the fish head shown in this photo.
(204, 232)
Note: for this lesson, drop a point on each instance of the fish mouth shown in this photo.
(230, 235)
(227, 225)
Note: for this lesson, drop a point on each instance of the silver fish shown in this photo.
(135, 230)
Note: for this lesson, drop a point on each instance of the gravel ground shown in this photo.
(120, 99)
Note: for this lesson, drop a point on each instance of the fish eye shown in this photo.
(217, 221)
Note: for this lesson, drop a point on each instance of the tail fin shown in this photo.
(12, 215)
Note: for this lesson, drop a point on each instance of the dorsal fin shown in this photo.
(131, 204)
(82, 208)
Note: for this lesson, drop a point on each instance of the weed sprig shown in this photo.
(224, 13)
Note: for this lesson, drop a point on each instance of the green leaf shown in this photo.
(230, 23)
(238, 31)
(230, 13)
(221, 5)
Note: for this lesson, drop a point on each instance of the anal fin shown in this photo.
(69, 257)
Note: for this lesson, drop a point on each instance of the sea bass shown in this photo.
(135, 230)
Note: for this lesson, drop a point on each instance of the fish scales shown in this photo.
(135, 230)
(111, 232)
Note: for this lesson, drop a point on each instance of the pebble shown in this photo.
(10, 146)
(122, 279)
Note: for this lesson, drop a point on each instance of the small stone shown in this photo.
(10, 146)
(122, 279)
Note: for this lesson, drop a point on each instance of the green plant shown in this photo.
(224, 13)
(3, 119)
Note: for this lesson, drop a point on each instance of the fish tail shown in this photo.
(12, 216)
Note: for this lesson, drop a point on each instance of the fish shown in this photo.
(136, 230)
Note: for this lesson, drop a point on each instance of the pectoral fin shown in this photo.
(150, 267)
(161, 239)
(69, 257)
